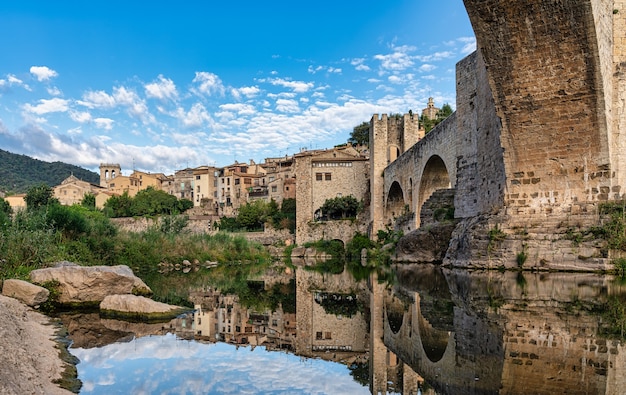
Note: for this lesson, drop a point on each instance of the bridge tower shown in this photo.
(109, 171)
(389, 137)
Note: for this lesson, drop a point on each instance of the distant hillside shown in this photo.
(20, 172)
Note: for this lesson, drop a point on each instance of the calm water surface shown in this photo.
(432, 331)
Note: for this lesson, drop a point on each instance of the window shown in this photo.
(318, 176)
(237, 180)
(327, 176)
(274, 188)
(328, 336)
(197, 177)
(286, 188)
(318, 336)
(271, 178)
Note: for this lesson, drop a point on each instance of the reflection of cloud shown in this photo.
(166, 364)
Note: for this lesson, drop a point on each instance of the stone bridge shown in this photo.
(538, 136)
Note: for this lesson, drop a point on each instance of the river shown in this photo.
(432, 330)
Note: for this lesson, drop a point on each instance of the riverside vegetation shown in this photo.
(48, 232)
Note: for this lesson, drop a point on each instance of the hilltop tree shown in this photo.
(360, 134)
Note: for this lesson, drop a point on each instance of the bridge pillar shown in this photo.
(558, 83)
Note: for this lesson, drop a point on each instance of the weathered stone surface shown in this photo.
(89, 284)
(27, 293)
(138, 306)
(425, 244)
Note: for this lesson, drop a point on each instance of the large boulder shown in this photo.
(25, 292)
(425, 245)
(138, 307)
(90, 284)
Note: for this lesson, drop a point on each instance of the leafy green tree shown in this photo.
(360, 134)
(5, 207)
(253, 215)
(443, 113)
(340, 207)
(118, 206)
(39, 196)
(89, 201)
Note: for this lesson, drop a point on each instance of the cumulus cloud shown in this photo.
(359, 64)
(327, 69)
(103, 123)
(97, 99)
(163, 88)
(46, 106)
(398, 60)
(296, 86)
(80, 116)
(284, 105)
(208, 83)
(43, 73)
(426, 68)
(195, 117)
(247, 91)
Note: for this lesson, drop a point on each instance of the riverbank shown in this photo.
(29, 352)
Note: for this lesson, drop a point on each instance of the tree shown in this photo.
(89, 201)
(118, 206)
(443, 113)
(340, 207)
(360, 134)
(39, 196)
(5, 207)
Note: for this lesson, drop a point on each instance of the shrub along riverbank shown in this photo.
(33, 238)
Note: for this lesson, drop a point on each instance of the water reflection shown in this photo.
(434, 331)
(461, 332)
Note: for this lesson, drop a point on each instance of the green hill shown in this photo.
(20, 172)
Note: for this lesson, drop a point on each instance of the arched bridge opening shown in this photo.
(395, 205)
(435, 177)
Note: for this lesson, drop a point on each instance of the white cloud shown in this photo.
(247, 91)
(14, 80)
(296, 86)
(104, 123)
(43, 73)
(80, 116)
(285, 105)
(54, 91)
(399, 60)
(47, 106)
(437, 56)
(163, 88)
(209, 83)
(426, 68)
(97, 99)
(239, 108)
(469, 45)
(195, 117)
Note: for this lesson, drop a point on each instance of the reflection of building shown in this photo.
(221, 317)
(322, 331)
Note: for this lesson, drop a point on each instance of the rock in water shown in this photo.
(90, 284)
(27, 293)
(138, 307)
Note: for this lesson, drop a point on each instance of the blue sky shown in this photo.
(169, 365)
(166, 85)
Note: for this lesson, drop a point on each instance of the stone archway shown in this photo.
(394, 206)
(434, 177)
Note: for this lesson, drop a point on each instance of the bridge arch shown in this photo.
(394, 205)
(435, 176)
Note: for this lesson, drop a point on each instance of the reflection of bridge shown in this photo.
(500, 332)
(539, 133)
